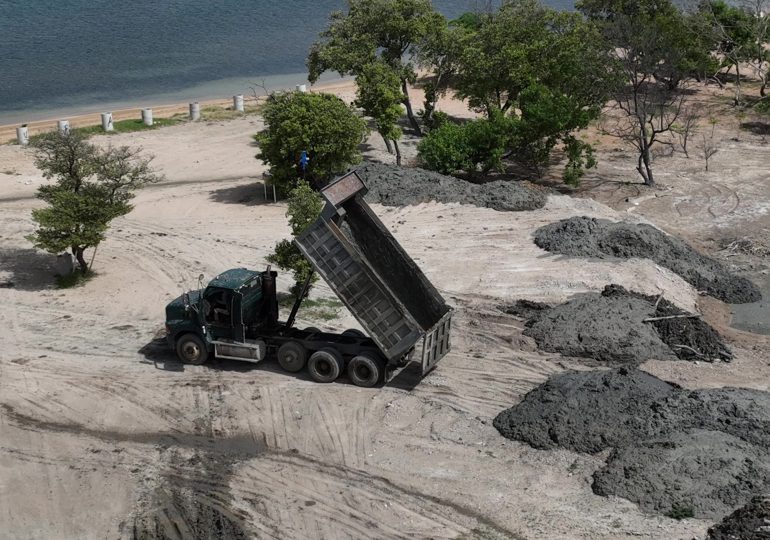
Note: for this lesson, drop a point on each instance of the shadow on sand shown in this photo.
(248, 194)
(27, 269)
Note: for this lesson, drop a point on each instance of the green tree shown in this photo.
(320, 124)
(391, 30)
(379, 95)
(304, 207)
(546, 70)
(91, 187)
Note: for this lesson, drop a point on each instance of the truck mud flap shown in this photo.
(436, 344)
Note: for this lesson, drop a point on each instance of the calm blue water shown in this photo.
(70, 56)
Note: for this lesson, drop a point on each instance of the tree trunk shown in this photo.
(738, 88)
(78, 253)
(398, 152)
(409, 112)
(644, 168)
(388, 145)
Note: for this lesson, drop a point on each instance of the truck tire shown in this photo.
(363, 370)
(313, 329)
(292, 356)
(353, 332)
(325, 365)
(191, 350)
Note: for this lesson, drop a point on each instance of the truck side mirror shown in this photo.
(186, 301)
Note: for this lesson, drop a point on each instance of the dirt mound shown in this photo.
(750, 522)
(620, 327)
(402, 186)
(675, 451)
(694, 474)
(586, 412)
(590, 237)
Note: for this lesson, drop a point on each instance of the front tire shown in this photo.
(292, 356)
(191, 350)
(325, 365)
(365, 371)
(353, 332)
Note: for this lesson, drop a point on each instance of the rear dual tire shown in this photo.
(364, 370)
(325, 366)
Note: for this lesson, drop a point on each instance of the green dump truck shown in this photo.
(404, 317)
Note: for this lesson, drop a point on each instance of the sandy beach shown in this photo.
(99, 424)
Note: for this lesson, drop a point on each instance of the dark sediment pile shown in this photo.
(750, 522)
(590, 237)
(675, 451)
(402, 186)
(586, 411)
(620, 327)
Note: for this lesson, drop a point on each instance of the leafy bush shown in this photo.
(320, 124)
(475, 145)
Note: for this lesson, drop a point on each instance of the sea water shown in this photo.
(76, 56)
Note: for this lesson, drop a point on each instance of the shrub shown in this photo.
(320, 124)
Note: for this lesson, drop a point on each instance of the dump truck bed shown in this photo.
(375, 278)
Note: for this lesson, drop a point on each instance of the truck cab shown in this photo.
(232, 308)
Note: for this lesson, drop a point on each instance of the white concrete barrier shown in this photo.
(147, 117)
(195, 111)
(238, 103)
(107, 121)
(64, 127)
(302, 88)
(22, 135)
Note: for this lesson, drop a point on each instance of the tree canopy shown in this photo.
(92, 186)
(321, 125)
(389, 30)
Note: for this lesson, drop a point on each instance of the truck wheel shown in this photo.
(353, 332)
(364, 370)
(191, 350)
(325, 365)
(313, 330)
(292, 356)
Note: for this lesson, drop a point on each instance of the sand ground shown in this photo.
(96, 418)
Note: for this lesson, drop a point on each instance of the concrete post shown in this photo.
(147, 117)
(107, 121)
(64, 126)
(22, 135)
(238, 103)
(302, 88)
(195, 111)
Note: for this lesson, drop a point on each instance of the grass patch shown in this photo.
(680, 511)
(323, 309)
(74, 279)
(217, 112)
(128, 126)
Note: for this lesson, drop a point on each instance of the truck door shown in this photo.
(218, 312)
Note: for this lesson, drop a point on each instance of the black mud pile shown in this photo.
(677, 452)
(402, 186)
(617, 326)
(750, 522)
(590, 237)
